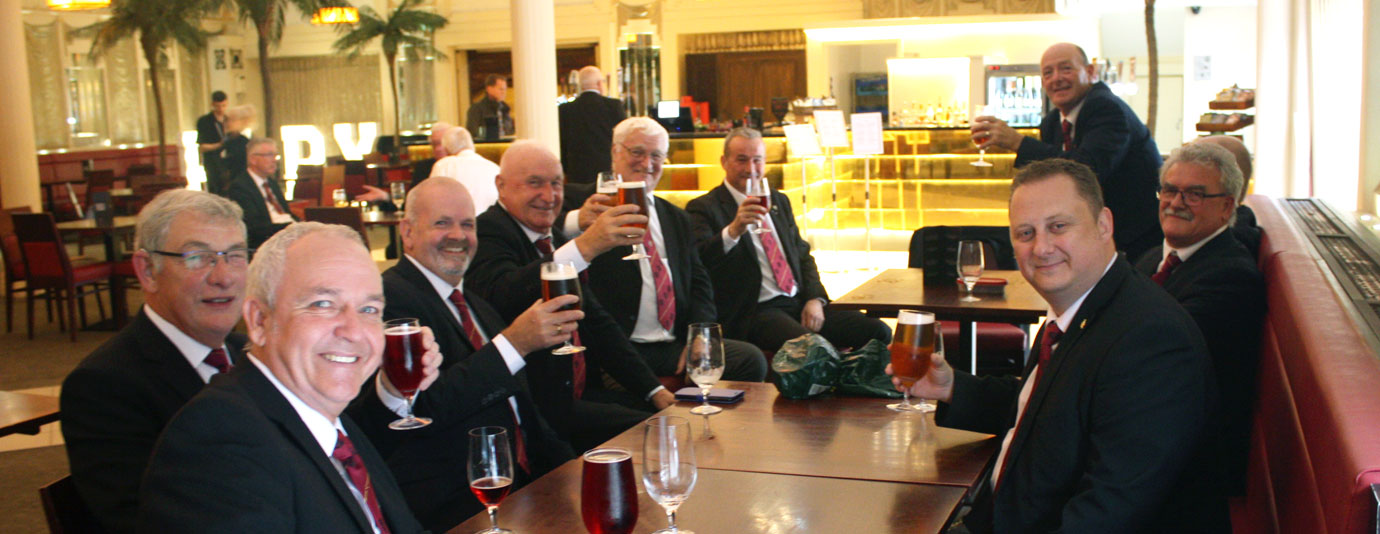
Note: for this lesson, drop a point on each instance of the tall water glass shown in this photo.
(490, 471)
(608, 491)
(668, 465)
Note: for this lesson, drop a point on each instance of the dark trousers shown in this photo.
(777, 321)
(742, 361)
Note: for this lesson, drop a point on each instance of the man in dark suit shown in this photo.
(587, 127)
(482, 383)
(1215, 278)
(1106, 431)
(256, 191)
(265, 448)
(1096, 128)
(191, 264)
(1247, 232)
(516, 236)
(766, 286)
(657, 322)
(210, 136)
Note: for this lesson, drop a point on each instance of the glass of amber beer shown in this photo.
(560, 278)
(607, 184)
(917, 337)
(634, 193)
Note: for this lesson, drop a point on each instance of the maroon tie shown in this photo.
(1049, 335)
(779, 268)
(520, 443)
(1068, 139)
(359, 476)
(665, 293)
(544, 246)
(272, 198)
(577, 360)
(466, 322)
(217, 359)
(1169, 264)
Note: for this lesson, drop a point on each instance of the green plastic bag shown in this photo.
(862, 372)
(806, 367)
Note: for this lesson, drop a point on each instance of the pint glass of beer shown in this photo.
(634, 193)
(608, 492)
(607, 184)
(917, 337)
(558, 278)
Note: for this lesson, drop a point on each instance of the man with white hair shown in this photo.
(421, 170)
(468, 167)
(587, 128)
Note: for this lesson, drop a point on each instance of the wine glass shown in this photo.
(397, 192)
(704, 362)
(759, 192)
(491, 471)
(982, 152)
(403, 349)
(970, 263)
(668, 465)
(607, 184)
(917, 337)
(557, 279)
(608, 491)
(634, 193)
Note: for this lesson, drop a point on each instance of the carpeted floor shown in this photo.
(24, 471)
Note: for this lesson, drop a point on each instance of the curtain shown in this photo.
(46, 84)
(322, 91)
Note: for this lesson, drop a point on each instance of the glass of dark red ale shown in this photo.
(490, 471)
(759, 193)
(557, 279)
(402, 363)
(917, 338)
(608, 492)
(634, 193)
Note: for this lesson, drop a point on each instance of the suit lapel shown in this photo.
(165, 361)
(412, 275)
(1210, 250)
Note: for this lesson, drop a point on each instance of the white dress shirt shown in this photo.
(476, 173)
(276, 216)
(770, 289)
(1186, 252)
(191, 349)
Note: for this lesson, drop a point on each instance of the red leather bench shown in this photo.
(1315, 445)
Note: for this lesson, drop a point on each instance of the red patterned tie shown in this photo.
(577, 360)
(272, 198)
(217, 359)
(544, 246)
(1169, 264)
(665, 293)
(359, 476)
(1049, 335)
(466, 322)
(1068, 139)
(779, 268)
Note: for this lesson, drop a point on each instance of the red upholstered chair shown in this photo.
(14, 265)
(347, 216)
(67, 513)
(48, 267)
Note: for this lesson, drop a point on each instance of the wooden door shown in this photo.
(754, 78)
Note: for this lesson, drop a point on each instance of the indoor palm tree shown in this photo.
(154, 23)
(267, 18)
(405, 26)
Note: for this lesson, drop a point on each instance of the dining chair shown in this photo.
(48, 266)
(14, 265)
(65, 510)
(332, 215)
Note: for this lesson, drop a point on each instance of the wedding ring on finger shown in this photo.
(559, 329)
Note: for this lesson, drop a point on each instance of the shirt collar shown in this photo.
(1072, 116)
(191, 349)
(442, 287)
(1187, 251)
(1066, 320)
(738, 196)
(532, 235)
(322, 428)
(258, 180)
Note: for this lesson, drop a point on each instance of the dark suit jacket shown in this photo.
(1109, 138)
(736, 276)
(473, 391)
(618, 284)
(263, 473)
(257, 222)
(421, 170)
(506, 271)
(587, 135)
(114, 405)
(1223, 290)
(1247, 232)
(1113, 428)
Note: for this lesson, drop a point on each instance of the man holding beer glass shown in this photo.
(517, 236)
(1106, 432)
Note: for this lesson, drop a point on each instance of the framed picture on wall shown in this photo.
(235, 59)
(220, 59)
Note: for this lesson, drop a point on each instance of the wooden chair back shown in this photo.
(65, 510)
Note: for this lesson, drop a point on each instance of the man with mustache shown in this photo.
(1213, 276)
(1096, 128)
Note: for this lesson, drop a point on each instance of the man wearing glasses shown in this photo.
(256, 191)
(1214, 276)
(191, 264)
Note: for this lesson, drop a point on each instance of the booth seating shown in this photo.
(1315, 441)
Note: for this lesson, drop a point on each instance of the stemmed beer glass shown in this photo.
(704, 362)
(490, 471)
(634, 193)
(970, 262)
(402, 363)
(759, 192)
(557, 279)
(668, 465)
(982, 152)
(607, 184)
(917, 337)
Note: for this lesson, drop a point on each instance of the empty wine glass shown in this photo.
(397, 192)
(970, 262)
(759, 192)
(704, 362)
(490, 471)
(982, 152)
(668, 465)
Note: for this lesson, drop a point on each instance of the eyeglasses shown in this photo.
(265, 155)
(195, 260)
(1192, 197)
(639, 153)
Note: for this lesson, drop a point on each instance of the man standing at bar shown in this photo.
(256, 191)
(1096, 128)
(210, 135)
(766, 286)
(1213, 276)
(1106, 430)
(491, 110)
(587, 127)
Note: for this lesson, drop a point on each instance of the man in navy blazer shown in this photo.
(1106, 432)
(266, 448)
(1214, 276)
(191, 262)
(1096, 128)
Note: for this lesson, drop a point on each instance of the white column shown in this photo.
(18, 160)
(534, 71)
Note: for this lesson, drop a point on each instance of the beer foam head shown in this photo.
(632, 185)
(558, 271)
(401, 330)
(914, 317)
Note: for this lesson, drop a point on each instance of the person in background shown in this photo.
(421, 169)
(587, 129)
(210, 137)
(1247, 232)
(235, 151)
(256, 190)
(491, 107)
(468, 167)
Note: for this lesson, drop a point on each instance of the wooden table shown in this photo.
(834, 464)
(391, 219)
(896, 289)
(121, 225)
(24, 413)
